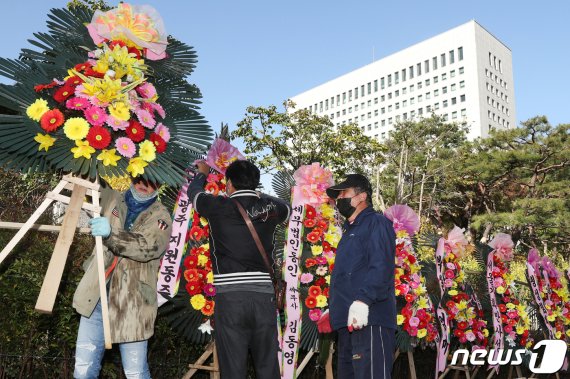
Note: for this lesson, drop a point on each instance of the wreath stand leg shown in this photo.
(411, 362)
(214, 369)
(458, 370)
(79, 188)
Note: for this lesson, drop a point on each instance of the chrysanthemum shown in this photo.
(116, 124)
(162, 131)
(147, 151)
(37, 109)
(208, 308)
(77, 103)
(158, 142)
(99, 137)
(120, 111)
(126, 147)
(82, 149)
(45, 140)
(198, 302)
(76, 128)
(135, 131)
(51, 120)
(108, 157)
(136, 166)
(95, 116)
(145, 118)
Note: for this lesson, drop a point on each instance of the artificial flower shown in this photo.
(76, 128)
(45, 140)
(145, 118)
(63, 93)
(198, 301)
(95, 115)
(120, 111)
(162, 131)
(116, 124)
(136, 166)
(125, 146)
(51, 120)
(135, 131)
(82, 149)
(208, 308)
(146, 90)
(206, 327)
(158, 142)
(77, 103)
(99, 137)
(37, 109)
(147, 151)
(108, 157)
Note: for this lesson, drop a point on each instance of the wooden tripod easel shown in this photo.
(79, 188)
(214, 368)
(411, 362)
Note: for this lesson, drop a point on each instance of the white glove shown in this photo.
(357, 315)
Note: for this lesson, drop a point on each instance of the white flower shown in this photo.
(130, 78)
(110, 59)
(110, 73)
(206, 327)
(97, 53)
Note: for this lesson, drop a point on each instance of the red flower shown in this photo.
(193, 287)
(502, 308)
(449, 274)
(459, 333)
(63, 93)
(51, 120)
(410, 297)
(462, 325)
(310, 212)
(323, 224)
(41, 87)
(411, 259)
(134, 50)
(450, 304)
(310, 262)
(309, 223)
(326, 292)
(320, 282)
(73, 81)
(90, 72)
(82, 66)
(314, 291)
(191, 275)
(310, 302)
(116, 42)
(158, 142)
(99, 137)
(135, 131)
(196, 233)
(212, 188)
(208, 308)
(326, 246)
(191, 261)
(313, 237)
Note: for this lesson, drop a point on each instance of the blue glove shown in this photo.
(100, 226)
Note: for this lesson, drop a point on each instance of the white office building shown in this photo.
(464, 74)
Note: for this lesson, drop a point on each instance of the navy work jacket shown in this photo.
(364, 270)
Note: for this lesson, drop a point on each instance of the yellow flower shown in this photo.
(198, 301)
(558, 334)
(210, 277)
(486, 332)
(147, 151)
(136, 166)
(462, 305)
(568, 332)
(500, 290)
(206, 246)
(327, 211)
(399, 271)
(414, 268)
(316, 249)
(106, 90)
(332, 238)
(108, 157)
(76, 128)
(397, 292)
(511, 306)
(46, 141)
(453, 292)
(422, 303)
(551, 317)
(422, 333)
(400, 319)
(520, 329)
(82, 149)
(203, 221)
(120, 111)
(37, 109)
(328, 279)
(401, 234)
(321, 301)
(202, 260)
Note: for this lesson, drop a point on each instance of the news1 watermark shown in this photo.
(552, 357)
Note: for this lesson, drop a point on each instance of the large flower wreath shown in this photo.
(108, 98)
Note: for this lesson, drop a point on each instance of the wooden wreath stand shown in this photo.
(411, 362)
(328, 365)
(79, 188)
(469, 372)
(214, 368)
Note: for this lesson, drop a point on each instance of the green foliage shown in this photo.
(288, 139)
(89, 4)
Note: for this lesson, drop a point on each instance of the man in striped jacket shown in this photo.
(244, 319)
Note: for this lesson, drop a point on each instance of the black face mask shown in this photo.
(344, 207)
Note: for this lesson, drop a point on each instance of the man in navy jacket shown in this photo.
(362, 296)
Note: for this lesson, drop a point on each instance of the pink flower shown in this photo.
(162, 131)
(512, 314)
(462, 339)
(80, 92)
(448, 283)
(414, 321)
(96, 102)
(456, 241)
(503, 246)
(450, 266)
(498, 282)
(449, 274)
(116, 124)
(306, 278)
(403, 218)
(311, 184)
(209, 289)
(508, 329)
(470, 336)
(533, 258)
(126, 147)
(315, 314)
(221, 154)
(77, 103)
(158, 109)
(145, 118)
(146, 90)
(414, 284)
(413, 332)
(321, 260)
(95, 116)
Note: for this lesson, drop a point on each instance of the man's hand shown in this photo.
(203, 167)
(324, 323)
(357, 315)
(100, 226)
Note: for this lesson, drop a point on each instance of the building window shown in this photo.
(344, 112)
(375, 112)
(397, 106)
(389, 108)
(369, 88)
(382, 98)
(444, 76)
(332, 102)
(376, 85)
(428, 95)
(397, 118)
(396, 77)
(411, 71)
(350, 110)
(420, 111)
(383, 110)
(434, 63)
(420, 98)
(362, 90)
(404, 75)
(464, 112)
(460, 53)
(461, 70)
(376, 125)
(419, 69)
(412, 100)
(397, 93)
(428, 108)
(356, 107)
(405, 103)
(435, 79)
(462, 98)
(453, 87)
(445, 103)
(383, 122)
(426, 66)
(369, 103)
(350, 95)
(419, 85)
(390, 121)
(405, 115)
(444, 90)
(436, 106)
(375, 100)
(452, 57)
(443, 60)
(404, 91)
(390, 80)
(453, 100)
(310, 109)
(338, 114)
(427, 82)
(369, 126)
(382, 83)
(462, 84)
(445, 117)
(452, 74)
(327, 104)
(332, 116)
(344, 97)
(389, 95)
(412, 88)
(356, 93)
(436, 93)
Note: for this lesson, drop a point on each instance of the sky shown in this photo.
(263, 52)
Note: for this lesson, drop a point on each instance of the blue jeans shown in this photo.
(91, 347)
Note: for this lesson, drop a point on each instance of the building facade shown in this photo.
(464, 74)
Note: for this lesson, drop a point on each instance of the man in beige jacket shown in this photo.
(135, 230)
